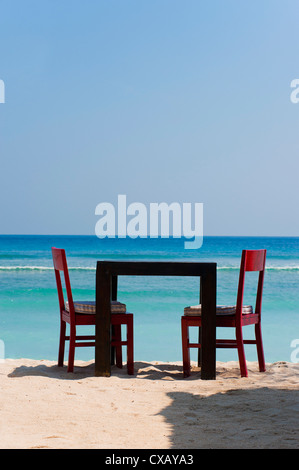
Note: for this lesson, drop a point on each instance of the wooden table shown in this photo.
(106, 290)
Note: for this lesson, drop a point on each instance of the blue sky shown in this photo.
(160, 100)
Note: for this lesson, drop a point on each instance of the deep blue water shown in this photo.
(29, 318)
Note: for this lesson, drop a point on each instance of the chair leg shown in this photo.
(130, 346)
(118, 347)
(199, 349)
(61, 343)
(72, 349)
(259, 347)
(112, 348)
(241, 352)
(185, 347)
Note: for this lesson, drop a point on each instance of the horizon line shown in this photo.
(153, 238)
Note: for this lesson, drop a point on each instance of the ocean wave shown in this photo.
(268, 268)
(43, 268)
(93, 268)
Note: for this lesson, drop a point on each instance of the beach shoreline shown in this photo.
(43, 406)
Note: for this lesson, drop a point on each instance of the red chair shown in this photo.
(83, 313)
(236, 316)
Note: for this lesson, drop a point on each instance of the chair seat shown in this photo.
(89, 307)
(220, 310)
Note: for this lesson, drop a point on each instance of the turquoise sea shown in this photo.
(29, 317)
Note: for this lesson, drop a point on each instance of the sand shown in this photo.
(43, 406)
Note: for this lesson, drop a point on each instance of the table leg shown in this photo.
(208, 329)
(114, 288)
(114, 297)
(102, 341)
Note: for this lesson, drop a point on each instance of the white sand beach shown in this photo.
(42, 406)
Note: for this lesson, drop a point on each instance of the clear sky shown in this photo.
(160, 100)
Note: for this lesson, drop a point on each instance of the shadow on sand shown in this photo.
(236, 419)
(244, 418)
(143, 370)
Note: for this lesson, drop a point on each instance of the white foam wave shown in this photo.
(43, 268)
(268, 268)
(93, 268)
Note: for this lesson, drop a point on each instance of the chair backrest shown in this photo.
(60, 264)
(252, 260)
